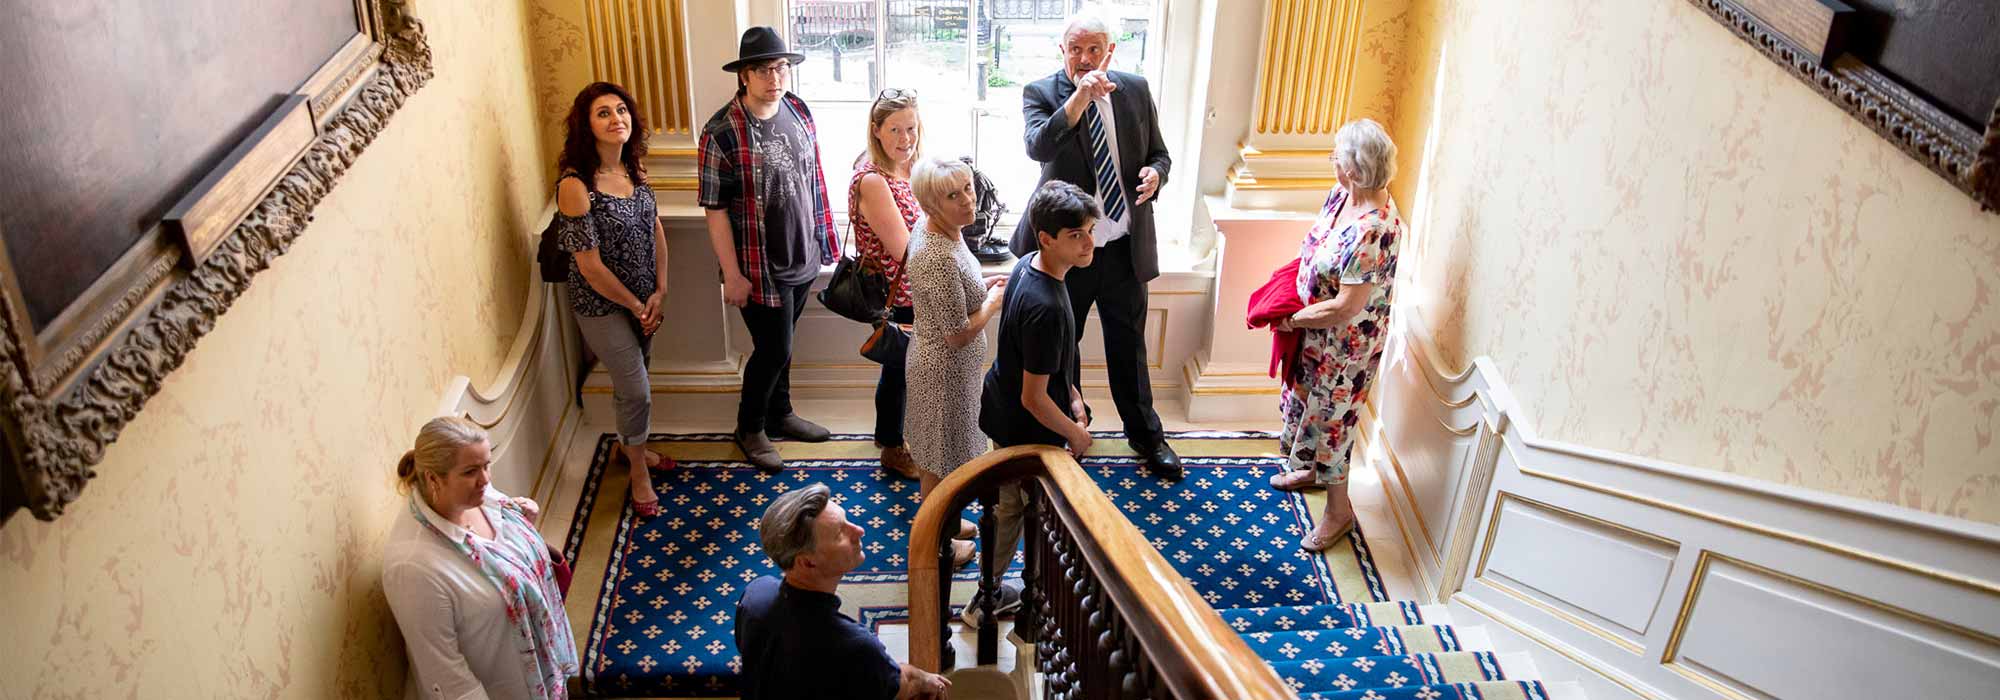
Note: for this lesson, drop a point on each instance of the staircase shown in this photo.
(1385, 651)
(1111, 621)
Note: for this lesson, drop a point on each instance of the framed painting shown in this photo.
(157, 156)
(1920, 73)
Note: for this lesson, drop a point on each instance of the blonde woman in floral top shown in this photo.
(470, 580)
(1347, 272)
(882, 211)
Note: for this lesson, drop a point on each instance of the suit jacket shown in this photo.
(1063, 150)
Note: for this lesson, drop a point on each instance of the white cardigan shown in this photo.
(461, 646)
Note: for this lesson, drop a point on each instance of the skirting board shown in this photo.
(527, 411)
(1669, 581)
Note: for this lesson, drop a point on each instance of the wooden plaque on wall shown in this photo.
(157, 156)
(1924, 75)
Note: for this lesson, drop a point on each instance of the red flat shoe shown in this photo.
(666, 464)
(647, 509)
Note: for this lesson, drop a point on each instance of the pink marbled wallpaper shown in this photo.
(228, 547)
(1671, 248)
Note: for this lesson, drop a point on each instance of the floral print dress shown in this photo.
(1337, 365)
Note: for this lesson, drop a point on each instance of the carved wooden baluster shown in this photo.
(1029, 617)
(945, 558)
(991, 566)
(1084, 663)
(1071, 616)
(1056, 584)
(1136, 683)
(1111, 655)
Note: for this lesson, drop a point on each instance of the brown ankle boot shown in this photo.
(899, 461)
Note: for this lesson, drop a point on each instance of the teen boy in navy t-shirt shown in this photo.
(1031, 395)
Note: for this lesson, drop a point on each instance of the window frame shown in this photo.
(1151, 66)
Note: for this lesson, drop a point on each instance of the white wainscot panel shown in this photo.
(1613, 575)
(1433, 461)
(1774, 635)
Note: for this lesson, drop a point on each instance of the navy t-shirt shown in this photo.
(1037, 334)
(796, 644)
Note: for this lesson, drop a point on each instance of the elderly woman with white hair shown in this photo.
(1347, 271)
(953, 305)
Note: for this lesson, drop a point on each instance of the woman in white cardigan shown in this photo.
(470, 580)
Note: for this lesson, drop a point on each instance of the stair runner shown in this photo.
(1375, 651)
(1328, 630)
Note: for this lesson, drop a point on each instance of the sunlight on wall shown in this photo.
(1726, 273)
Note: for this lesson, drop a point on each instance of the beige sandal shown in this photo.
(1312, 543)
(967, 530)
(1294, 480)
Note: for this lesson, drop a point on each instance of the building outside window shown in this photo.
(967, 60)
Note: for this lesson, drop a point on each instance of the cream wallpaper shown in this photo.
(1673, 249)
(228, 547)
(561, 67)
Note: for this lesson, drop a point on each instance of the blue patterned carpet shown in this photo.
(663, 624)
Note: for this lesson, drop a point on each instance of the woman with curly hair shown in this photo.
(609, 223)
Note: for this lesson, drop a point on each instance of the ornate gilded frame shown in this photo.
(67, 390)
(1956, 151)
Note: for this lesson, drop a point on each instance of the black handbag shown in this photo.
(553, 260)
(857, 291)
(887, 344)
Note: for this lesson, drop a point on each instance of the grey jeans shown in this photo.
(615, 339)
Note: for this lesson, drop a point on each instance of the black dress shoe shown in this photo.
(1160, 458)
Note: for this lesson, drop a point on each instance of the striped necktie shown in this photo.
(1108, 188)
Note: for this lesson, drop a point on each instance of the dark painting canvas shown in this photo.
(112, 110)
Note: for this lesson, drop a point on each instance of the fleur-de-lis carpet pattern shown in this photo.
(662, 614)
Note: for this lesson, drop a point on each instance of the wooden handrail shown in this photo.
(1196, 653)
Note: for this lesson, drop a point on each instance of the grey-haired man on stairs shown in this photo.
(794, 640)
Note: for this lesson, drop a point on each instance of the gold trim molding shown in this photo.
(1959, 580)
(1500, 501)
(1561, 648)
(1670, 656)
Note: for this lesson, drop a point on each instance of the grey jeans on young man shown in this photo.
(615, 339)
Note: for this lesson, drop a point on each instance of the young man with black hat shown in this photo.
(771, 227)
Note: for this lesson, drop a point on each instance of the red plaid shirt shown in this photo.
(727, 184)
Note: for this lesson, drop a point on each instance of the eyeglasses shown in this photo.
(773, 70)
(896, 94)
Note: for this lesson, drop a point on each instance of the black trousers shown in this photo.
(889, 391)
(1121, 308)
(767, 377)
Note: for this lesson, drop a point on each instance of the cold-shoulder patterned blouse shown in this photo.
(621, 229)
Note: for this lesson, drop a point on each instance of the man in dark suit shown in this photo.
(1097, 129)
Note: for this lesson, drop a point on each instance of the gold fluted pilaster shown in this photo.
(1307, 62)
(642, 45)
(1310, 80)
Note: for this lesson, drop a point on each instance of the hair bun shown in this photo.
(406, 468)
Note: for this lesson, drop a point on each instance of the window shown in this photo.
(967, 60)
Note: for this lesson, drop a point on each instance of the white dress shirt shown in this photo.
(461, 646)
(1108, 229)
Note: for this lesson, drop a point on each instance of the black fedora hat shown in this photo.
(761, 44)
